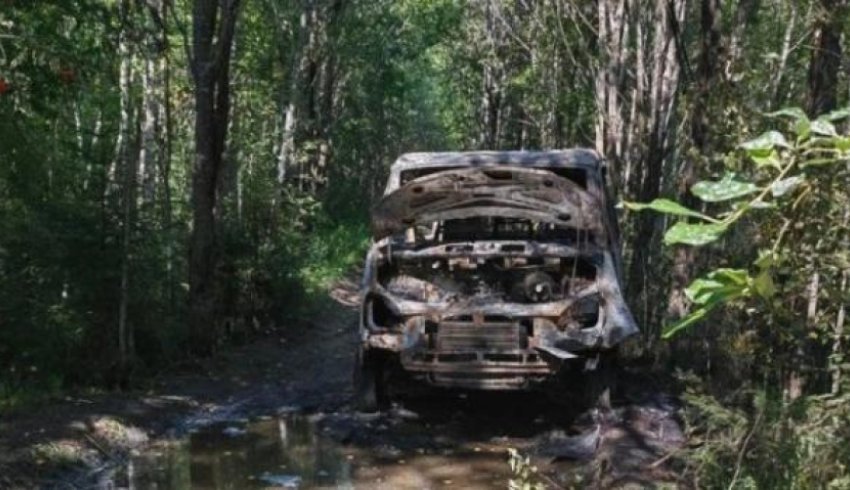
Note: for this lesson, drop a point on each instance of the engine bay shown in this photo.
(505, 279)
(489, 259)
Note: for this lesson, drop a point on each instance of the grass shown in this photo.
(23, 395)
(332, 252)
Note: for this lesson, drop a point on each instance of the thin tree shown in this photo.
(214, 24)
(825, 62)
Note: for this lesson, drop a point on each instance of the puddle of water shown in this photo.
(294, 452)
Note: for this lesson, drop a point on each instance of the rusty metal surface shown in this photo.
(513, 192)
(573, 158)
(492, 279)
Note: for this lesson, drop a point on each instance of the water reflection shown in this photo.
(285, 452)
(294, 452)
(436, 442)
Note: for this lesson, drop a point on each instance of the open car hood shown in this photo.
(512, 192)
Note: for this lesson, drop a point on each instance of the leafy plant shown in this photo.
(782, 169)
(525, 474)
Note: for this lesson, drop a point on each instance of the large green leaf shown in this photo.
(666, 206)
(766, 259)
(696, 234)
(723, 190)
(670, 330)
(823, 127)
(763, 284)
(738, 277)
(718, 285)
(701, 290)
(836, 115)
(766, 142)
(792, 112)
(802, 124)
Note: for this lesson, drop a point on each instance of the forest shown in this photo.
(178, 177)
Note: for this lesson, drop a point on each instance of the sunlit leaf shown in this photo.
(763, 284)
(768, 158)
(767, 258)
(836, 115)
(767, 141)
(802, 124)
(730, 276)
(792, 112)
(759, 204)
(823, 127)
(803, 129)
(666, 206)
(695, 316)
(784, 186)
(722, 190)
(700, 290)
(718, 285)
(696, 234)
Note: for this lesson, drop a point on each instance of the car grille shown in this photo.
(469, 336)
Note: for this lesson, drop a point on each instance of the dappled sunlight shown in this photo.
(346, 292)
(211, 268)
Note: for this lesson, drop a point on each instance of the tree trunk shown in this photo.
(214, 24)
(150, 127)
(165, 161)
(706, 78)
(613, 30)
(493, 78)
(662, 99)
(297, 69)
(777, 99)
(825, 61)
(125, 161)
(745, 12)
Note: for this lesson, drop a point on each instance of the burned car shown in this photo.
(491, 270)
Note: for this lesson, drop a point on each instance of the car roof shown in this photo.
(572, 158)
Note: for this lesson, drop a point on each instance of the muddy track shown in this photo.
(276, 413)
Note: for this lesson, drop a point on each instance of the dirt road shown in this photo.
(276, 414)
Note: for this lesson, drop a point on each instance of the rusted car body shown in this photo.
(491, 270)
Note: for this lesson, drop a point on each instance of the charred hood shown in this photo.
(530, 193)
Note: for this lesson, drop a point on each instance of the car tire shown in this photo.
(600, 383)
(370, 382)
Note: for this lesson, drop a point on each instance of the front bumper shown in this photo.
(475, 352)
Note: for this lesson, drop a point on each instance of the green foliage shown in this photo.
(666, 206)
(525, 474)
(717, 287)
(723, 190)
(756, 440)
(783, 170)
(694, 233)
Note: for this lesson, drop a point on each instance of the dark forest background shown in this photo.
(178, 176)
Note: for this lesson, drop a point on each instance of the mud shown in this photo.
(277, 414)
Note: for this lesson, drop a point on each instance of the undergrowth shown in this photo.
(756, 438)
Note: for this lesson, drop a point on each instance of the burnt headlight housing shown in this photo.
(582, 314)
(378, 315)
(585, 311)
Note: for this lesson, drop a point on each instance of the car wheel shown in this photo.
(370, 383)
(600, 381)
